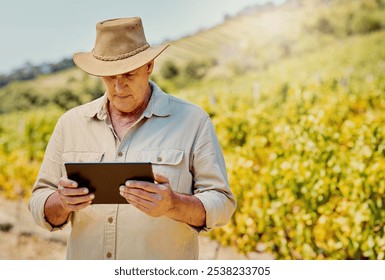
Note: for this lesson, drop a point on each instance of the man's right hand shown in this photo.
(66, 199)
(72, 197)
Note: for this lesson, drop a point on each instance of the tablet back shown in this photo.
(104, 179)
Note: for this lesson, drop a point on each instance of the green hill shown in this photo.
(297, 96)
(253, 42)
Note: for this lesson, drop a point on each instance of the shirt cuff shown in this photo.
(218, 209)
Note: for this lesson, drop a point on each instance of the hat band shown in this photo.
(121, 56)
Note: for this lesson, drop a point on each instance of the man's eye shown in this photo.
(130, 74)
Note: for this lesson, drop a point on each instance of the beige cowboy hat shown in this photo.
(120, 47)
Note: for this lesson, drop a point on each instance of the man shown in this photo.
(135, 121)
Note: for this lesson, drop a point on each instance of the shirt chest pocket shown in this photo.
(167, 162)
(80, 157)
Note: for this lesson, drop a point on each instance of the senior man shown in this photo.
(135, 121)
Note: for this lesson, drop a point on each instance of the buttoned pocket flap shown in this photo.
(82, 157)
(162, 156)
(166, 162)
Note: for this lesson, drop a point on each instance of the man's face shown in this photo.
(128, 92)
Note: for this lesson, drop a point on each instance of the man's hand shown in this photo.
(72, 197)
(153, 199)
(66, 199)
(160, 200)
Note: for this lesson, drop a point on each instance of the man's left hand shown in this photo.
(153, 199)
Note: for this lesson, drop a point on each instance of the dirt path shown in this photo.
(21, 239)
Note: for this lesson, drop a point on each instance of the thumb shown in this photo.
(161, 179)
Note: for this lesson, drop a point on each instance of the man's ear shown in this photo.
(150, 67)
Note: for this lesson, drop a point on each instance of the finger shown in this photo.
(149, 187)
(77, 207)
(142, 194)
(146, 210)
(73, 192)
(161, 179)
(136, 201)
(67, 183)
(74, 200)
(149, 210)
(140, 206)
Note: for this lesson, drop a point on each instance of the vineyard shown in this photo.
(301, 127)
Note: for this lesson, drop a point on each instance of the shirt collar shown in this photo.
(97, 108)
(159, 105)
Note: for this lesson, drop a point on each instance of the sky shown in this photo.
(39, 31)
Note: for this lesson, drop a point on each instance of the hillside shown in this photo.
(254, 41)
(297, 97)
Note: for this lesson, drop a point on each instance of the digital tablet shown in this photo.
(104, 179)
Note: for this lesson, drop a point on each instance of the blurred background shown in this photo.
(296, 91)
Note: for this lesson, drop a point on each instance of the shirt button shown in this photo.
(159, 159)
(110, 220)
(109, 255)
(120, 154)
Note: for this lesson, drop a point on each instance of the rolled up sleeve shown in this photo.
(47, 181)
(211, 185)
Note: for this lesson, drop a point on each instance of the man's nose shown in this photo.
(119, 83)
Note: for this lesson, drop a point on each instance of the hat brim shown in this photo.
(89, 64)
